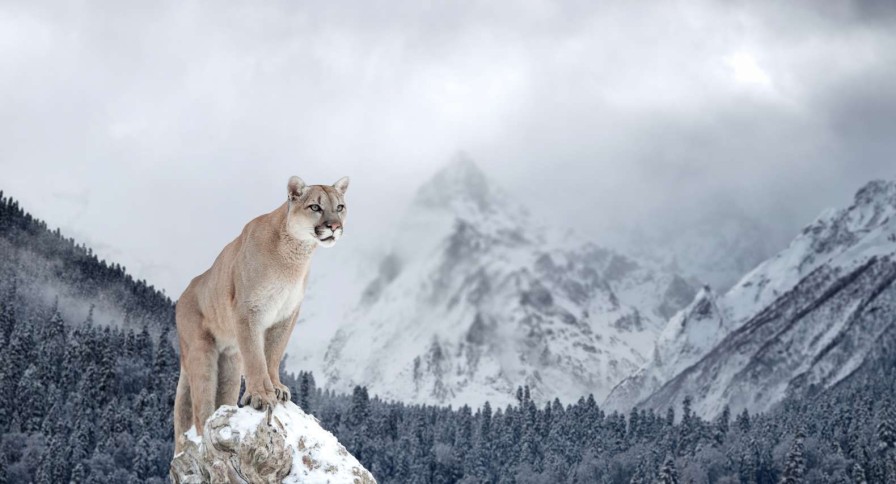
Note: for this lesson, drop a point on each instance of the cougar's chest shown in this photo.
(279, 301)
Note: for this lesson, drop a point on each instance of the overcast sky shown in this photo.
(154, 130)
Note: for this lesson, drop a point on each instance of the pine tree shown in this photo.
(164, 368)
(143, 462)
(53, 420)
(4, 463)
(52, 347)
(687, 428)
(54, 464)
(72, 361)
(480, 465)
(306, 386)
(668, 472)
(722, 425)
(79, 474)
(886, 431)
(486, 423)
(359, 411)
(15, 360)
(106, 368)
(857, 472)
(30, 400)
(795, 462)
(743, 422)
(143, 346)
(8, 314)
(419, 448)
(81, 440)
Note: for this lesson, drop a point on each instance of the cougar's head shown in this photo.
(317, 212)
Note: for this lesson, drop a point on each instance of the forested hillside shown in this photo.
(44, 265)
(82, 401)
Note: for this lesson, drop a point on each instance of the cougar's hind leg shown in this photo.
(203, 364)
(183, 411)
(187, 317)
(230, 367)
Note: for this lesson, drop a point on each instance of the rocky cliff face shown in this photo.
(801, 321)
(476, 297)
(283, 445)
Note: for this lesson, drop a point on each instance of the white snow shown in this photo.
(192, 435)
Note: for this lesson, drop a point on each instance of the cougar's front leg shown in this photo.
(276, 338)
(259, 389)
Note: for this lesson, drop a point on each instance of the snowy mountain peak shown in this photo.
(874, 204)
(458, 184)
(476, 298)
(872, 209)
(877, 193)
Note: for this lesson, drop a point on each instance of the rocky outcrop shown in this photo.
(283, 445)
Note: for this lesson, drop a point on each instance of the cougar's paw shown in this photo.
(258, 400)
(282, 392)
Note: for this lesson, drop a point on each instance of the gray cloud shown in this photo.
(182, 120)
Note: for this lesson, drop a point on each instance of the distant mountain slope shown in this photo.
(44, 265)
(477, 297)
(801, 321)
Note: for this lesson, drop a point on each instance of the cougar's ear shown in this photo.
(295, 188)
(341, 185)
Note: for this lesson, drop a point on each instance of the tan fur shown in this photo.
(236, 317)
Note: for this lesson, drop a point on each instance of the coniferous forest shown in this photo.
(88, 368)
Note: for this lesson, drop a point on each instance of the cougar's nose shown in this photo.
(332, 225)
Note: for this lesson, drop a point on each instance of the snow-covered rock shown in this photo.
(283, 445)
(476, 297)
(799, 322)
(687, 337)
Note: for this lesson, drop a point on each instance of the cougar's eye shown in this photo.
(314, 208)
(340, 208)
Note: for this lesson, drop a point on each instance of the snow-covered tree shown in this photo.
(795, 463)
(668, 472)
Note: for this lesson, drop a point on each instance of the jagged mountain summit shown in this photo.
(476, 297)
(801, 321)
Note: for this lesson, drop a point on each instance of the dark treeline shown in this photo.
(85, 402)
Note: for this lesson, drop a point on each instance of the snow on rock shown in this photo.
(476, 298)
(687, 337)
(285, 445)
(799, 322)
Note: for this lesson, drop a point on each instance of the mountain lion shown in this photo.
(235, 318)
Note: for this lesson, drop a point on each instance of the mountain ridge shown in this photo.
(824, 277)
